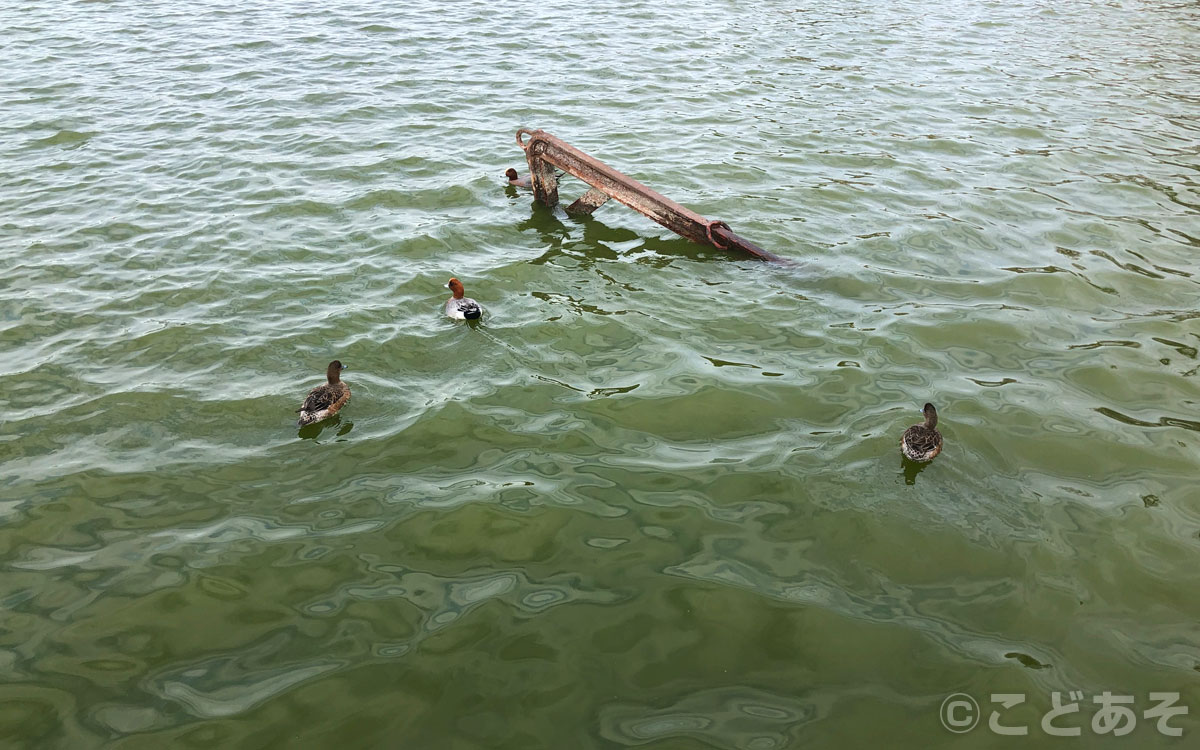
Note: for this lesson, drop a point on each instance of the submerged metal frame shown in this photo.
(544, 152)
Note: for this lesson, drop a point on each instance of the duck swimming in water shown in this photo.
(516, 180)
(922, 442)
(325, 400)
(527, 182)
(460, 307)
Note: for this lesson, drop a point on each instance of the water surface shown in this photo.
(656, 499)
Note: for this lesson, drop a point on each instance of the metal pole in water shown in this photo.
(544, 152)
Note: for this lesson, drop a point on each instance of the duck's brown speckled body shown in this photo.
(325, 400)
(922, 442)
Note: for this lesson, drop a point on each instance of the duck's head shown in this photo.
(930, 415)
(334, 371)
(456, 286)
(511, 173)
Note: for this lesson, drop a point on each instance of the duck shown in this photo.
(516, 180)
(922, 442)
(460, 307)
(527, 181)
(325, 400)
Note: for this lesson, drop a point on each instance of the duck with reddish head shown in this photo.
(516, 180)
(460, 307)
(324, 401)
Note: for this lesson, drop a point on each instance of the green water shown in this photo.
(656, 499)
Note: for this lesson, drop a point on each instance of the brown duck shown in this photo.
(922, 442)
(325, 400)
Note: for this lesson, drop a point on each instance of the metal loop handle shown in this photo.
(521, 143)
(712, 240)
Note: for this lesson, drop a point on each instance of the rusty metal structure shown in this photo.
(544, 152)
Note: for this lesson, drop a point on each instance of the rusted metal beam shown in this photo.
(588, 202)
(544, 152)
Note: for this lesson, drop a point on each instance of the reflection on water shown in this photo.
(314, 430)
(912, 468)
(652, 500)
